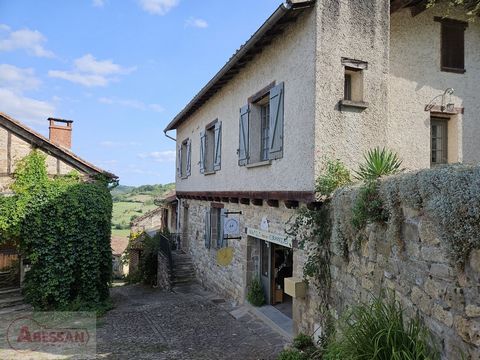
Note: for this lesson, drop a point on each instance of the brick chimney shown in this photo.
(61, 132)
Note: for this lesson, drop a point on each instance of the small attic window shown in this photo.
(353, 83)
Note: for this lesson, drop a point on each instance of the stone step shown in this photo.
(16, 308)
(9, 292)
(184, 281)
(12, 301)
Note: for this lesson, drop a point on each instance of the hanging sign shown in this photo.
(231, 226)
(270, 237)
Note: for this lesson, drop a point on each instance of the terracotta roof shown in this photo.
(271, 28)
(119, 244)
(55, 150)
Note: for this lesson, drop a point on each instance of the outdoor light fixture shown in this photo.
(445, 106)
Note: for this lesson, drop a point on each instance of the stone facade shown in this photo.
(416, 268)
(163, 273)
(230, 280)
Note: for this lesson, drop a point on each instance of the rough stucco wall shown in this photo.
(290, 58)
(415, 79)
(356, 29)
(232, 280)
(19, 149)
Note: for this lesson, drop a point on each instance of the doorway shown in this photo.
(276, 264)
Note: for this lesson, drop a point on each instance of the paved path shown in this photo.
(188, 323)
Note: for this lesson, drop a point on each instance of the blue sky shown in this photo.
(121, 69)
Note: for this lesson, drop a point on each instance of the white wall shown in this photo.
(415, 79)
(290, 58)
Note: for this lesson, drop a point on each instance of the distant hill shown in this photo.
(130, 202)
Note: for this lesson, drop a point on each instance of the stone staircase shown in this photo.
(183, 271)
(11, 300)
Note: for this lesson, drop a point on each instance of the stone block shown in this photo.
(410, 232)
(422, 300)
(441, 271)
(433, 253)
(428, 233)
(435, 289)
(468, 329)
(475, 260)
(442, 315)
(472, 310)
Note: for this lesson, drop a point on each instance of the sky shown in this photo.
(120, 69)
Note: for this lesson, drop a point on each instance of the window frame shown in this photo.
(453, 25)
(184, 149)
(210, 150)
(443, 122)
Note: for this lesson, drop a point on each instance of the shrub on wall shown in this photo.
(255, 294)
(62, 227)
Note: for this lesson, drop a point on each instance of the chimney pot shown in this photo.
(60, 132)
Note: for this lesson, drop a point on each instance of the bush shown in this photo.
(302, 342)
(379, 162)
(378, 331)
(368, 206)
(336, 175)
(292, 354)
(255, 294)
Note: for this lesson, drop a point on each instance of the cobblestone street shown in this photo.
(188, 323)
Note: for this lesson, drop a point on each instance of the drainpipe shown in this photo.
(178, 224)
(168, 136)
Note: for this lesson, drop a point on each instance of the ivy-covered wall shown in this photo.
(62, 227)
(426, 249)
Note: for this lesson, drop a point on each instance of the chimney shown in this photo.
(61, 132)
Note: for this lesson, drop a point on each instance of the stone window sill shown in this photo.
(353, 104)
(259, 164)
(209, 172)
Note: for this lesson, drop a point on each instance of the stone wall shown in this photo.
(163, 273)
(416, 266)
(230, 280)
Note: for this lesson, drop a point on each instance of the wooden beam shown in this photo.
(257, 202)
(396, 5)
(272, 203)
(234, 200)
(299, 196)
(245, 201)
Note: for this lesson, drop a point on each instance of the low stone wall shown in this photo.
(413, 260)
(163, 273)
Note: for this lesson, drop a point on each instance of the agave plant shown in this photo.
(379, 162)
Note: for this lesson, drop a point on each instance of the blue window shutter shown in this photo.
(221, 237)
(179, 161)
(275, 134)
(208, 229)
(189, 157)
(203, 140)
(243, 143)
(217, 163)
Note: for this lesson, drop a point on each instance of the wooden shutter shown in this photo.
(208, 229)
(179, 161)
(243, 143)
(453, 45)
(217, 157)
(275, 132)
(189, 157)
(221, 237)
(203, 141)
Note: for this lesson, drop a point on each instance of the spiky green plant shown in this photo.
(379, 162)
(378, 331)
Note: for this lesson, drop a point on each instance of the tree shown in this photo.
(472, 7)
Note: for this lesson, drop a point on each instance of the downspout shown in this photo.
(168, 136)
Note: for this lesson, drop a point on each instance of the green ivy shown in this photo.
(62, 227)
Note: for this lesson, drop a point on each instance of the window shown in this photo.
(353, 83)
(214, 228)
(261, 126)
(184, 156)
(452, 45)
(439, 141)
(211, 147)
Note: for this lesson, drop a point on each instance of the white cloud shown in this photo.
(24, 108)
(160, 156)
(196, 22)
(158, 7)
(131, 103)
(32, 41)
(15, 78)
(91, 72)
(98, 3)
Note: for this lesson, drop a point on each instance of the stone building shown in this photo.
(318, 80)
(16, 142)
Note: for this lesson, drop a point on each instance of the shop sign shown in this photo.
(270, 237)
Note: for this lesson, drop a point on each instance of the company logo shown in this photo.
(27, 334)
